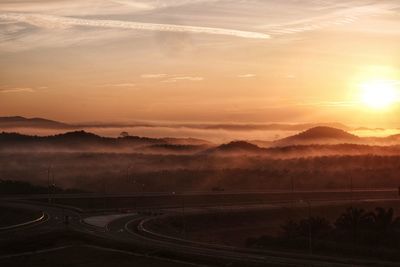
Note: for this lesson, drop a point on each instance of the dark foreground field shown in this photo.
(13, 216)
(85, 256)
(264, 229)
(235, 227)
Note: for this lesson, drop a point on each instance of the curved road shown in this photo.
(130, 232)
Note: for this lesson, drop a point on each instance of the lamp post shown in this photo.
(351, 190)
(184, 215)
(53, 186)
(292, 198)
(48, 184)
(310, 237)
(104, 195)
(310, 241)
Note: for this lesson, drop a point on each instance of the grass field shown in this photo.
(234, 228)
(12, 216)
(81, 256)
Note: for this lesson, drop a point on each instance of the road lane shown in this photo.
(127, 232)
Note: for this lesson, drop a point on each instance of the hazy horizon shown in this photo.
(214, 132)
(205, 60)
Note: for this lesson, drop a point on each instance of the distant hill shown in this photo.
(395, 137)
(317, 140)
(68, 141)
(236, 147)
(85, 141)
(18, 121)
(319, 135)
(267, 127)
(9, 187)
(296, 151)
(389, 140)
(260, 143)
(186, 141)
(174, 149)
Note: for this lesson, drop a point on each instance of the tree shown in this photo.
(353, 221)
(124, 134)
(383, 219)
(318, 226)
(353, 218)
(385, 225)
(291, 229)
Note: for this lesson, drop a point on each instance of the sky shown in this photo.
(261, 61)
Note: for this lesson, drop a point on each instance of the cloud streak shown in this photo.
(183, 78)
(154, 76)
(122, 85)
(171, 78)
(17, 90)
(345, 15)
(151, 5)
(248, 75)
(57, 22)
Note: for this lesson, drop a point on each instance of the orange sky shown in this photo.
(199, 60)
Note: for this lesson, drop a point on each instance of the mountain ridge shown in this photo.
(319, 135)
(19, 121)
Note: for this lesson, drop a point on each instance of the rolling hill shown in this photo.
(317, 139)
(19, 122)
(319, 135)
(85, 141)
(236, 147)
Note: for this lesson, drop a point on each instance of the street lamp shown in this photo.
(50, 184)
(292, 190)
(310, 241)
(184, 215)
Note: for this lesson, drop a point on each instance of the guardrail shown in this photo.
(141, 228)
(41, 218)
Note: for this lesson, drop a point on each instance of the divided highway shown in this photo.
(130, 231)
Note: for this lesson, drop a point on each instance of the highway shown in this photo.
(355, 191)
(165, 200)
(135, 226)
(130, 232)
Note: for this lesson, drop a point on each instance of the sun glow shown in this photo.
(379, 94)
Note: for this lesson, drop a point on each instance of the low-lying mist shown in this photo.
(320, 158)
(129, 173)
(216, 134)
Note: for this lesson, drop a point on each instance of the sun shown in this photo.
(379, 94)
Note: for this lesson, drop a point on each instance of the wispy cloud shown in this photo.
(118, 85)
(154, 76)
(17, 90)
(183, 78)
(172, 78)
(57, 22)
(151, 5)
(344, 14)
(248, 75)
(140, 6)
(289, 76)
(122, 85)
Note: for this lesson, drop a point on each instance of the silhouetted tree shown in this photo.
(318, 226)
(291, 229)
(385, 226)
(353, 222)
(384, 220)
(124, 134)
(353, 218)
